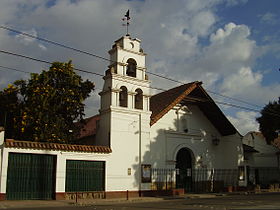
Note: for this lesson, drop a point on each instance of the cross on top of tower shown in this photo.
(126, 22)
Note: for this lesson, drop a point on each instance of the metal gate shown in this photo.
(85, 176)
(31, 176)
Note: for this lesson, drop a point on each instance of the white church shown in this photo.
(174, 142)
(181, 129)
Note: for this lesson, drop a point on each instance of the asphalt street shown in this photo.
(233, 202)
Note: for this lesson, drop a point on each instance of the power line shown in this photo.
(48, 62)
(53, 42)
(100, 57)
(219, 94)
(44, 61)
(246, 108)
(237, 106)
(13, 69)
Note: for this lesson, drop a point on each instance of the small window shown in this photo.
(131, 67)
(139, 99)
(123, 96)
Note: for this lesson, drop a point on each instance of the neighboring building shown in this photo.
(261, 159)
(139, 144)
(88, 130)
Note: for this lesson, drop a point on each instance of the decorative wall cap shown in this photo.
(118, 47)
(197, 135)
(147, 95)
(131, 93)
(10, 143)
(135, 52)
(116, 90)
(125, 110)
(128, 79)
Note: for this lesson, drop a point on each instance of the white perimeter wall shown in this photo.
(61, 164)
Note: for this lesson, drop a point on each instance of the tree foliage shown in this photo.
(45, 107)
(270, 120)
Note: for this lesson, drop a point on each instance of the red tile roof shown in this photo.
(10, 143)
(162, 102)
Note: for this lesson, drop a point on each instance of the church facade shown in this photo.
(180, 131)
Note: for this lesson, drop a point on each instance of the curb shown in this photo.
(87, 202)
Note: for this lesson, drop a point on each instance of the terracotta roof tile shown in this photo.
(161, 103)
(9, 143)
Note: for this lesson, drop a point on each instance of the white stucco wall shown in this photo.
(126, 141)
(167, 141)
(61, 164)
(266, 156)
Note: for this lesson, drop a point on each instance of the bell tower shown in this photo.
(125, 113)
(125, 98)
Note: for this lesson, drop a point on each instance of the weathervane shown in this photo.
(126, 21)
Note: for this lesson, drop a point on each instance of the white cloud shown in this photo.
(235, 2)
(201, 22)
(230, 50)
(269, 18)
(232, 44)
(170, 32)
(244, 121)
(243, 79)
(25, 39)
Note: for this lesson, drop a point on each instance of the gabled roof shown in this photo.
(191, 93)
(162, 102)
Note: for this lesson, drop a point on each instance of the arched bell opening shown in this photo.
(123, 96)
(131, 67)
(139, 99)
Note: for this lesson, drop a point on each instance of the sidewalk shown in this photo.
(89, 202)
(10, 204)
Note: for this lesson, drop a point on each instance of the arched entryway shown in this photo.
(184, 169)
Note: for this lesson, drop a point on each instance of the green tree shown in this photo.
(45, 107)
(9, 108)
(270, 120)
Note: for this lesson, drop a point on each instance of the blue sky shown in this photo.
(262, 17)
(232, 46)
